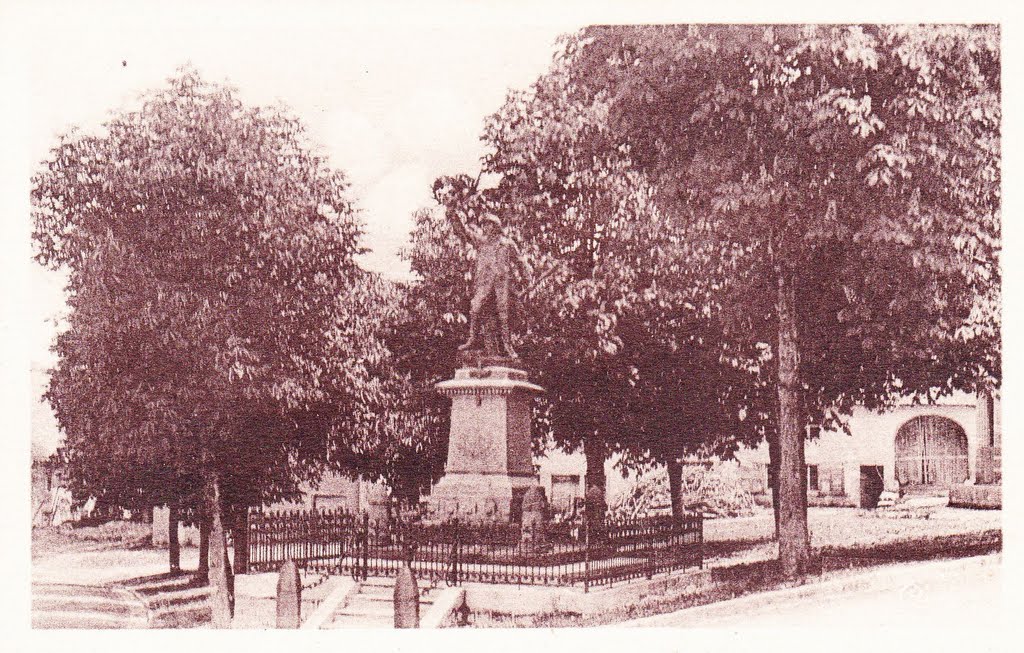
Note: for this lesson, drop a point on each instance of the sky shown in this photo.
(395, 99)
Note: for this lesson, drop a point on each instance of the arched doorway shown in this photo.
(931, 451)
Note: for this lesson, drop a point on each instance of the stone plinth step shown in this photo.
(88, 603)
(77, 619)
(363, 622)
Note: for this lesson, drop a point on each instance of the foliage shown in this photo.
(218, 321)
(845, 181)
(863, 159)
(709, 489)
(623, 339)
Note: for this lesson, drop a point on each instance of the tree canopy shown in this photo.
(622, 337)
(220, 330)
(845, 180)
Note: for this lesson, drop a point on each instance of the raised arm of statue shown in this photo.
(456, 195)
(520, 259)
(463, 230)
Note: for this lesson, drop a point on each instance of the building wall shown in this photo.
(872, 442)
(336, 491)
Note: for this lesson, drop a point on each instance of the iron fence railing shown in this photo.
(569, 553)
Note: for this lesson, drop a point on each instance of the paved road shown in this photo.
(918, 595)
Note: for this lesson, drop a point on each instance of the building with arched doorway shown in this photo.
(911, 449)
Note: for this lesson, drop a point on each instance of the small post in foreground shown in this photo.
(289, 596)
(407, 599)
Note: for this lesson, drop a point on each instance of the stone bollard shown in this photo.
(535, 515)
(407, 599)
(289, 596)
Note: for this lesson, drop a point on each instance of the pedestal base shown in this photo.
(479, 498)
(489, 465)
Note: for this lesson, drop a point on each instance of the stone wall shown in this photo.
(976, 496)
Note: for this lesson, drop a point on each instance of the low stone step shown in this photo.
(387, 586)
(75, 619)
(425, 599)
(366, 608)
(168, 587)
(177, 598)
(363, 621)
(160, 581)
(186, 616)
(88, 603)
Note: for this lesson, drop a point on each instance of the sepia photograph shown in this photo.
(342, 316)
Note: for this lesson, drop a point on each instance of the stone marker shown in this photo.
(407, 599)
(289, 596)
(535, 515)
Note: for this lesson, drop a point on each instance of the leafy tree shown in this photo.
(629, 355)
(423, 337)
(220, 347)
(846, 179)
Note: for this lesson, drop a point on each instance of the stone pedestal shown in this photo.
(490, 465)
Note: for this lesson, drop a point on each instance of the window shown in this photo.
(812, 477)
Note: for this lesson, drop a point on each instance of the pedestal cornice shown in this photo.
(487, 381)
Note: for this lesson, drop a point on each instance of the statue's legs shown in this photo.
(475, 306)
(501, 302)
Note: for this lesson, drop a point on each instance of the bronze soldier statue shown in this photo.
(495, 253)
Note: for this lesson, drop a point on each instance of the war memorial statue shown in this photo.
(495, 254)
(490, 466)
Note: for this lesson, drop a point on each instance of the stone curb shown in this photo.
(447, 603)
(337, 598)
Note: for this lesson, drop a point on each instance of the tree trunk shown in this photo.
(220, 594)
(675, 486)
(773, 476)
(173, 545)
(240, 538)
(794, 543)
(203, 573)
(597, 503)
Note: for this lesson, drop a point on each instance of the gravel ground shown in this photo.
(98, 555)
(749, 539)
(845, 527)
(924, 594)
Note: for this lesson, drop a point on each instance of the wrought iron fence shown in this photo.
(568, 553)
